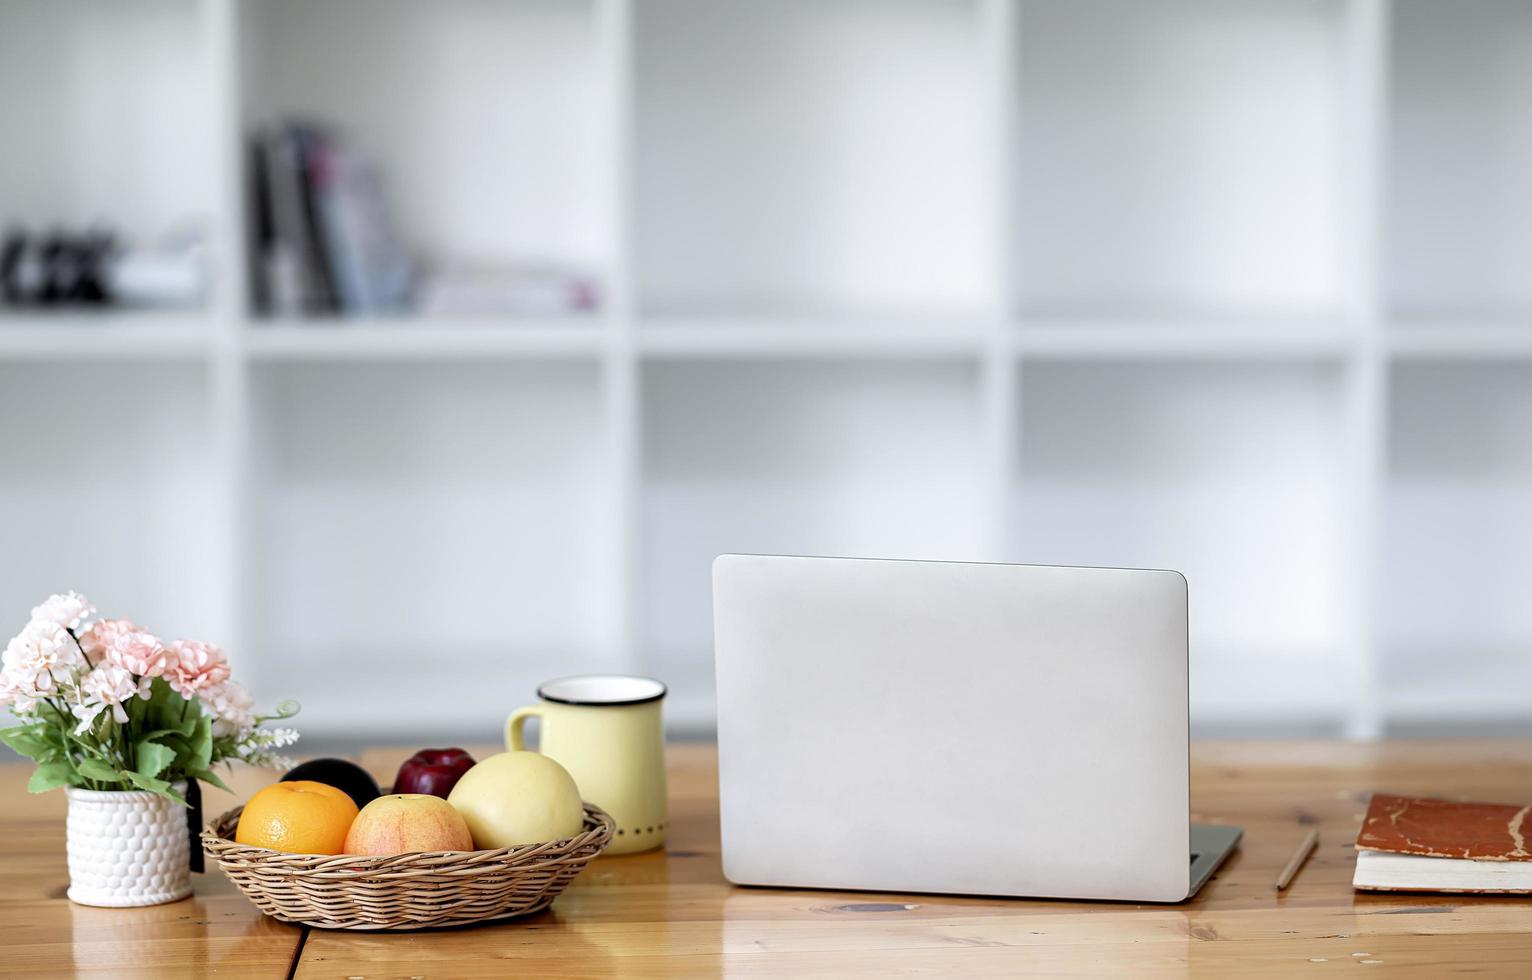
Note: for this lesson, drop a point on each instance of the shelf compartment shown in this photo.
(1229, 473)
(111, 493)
(1460, 194)
(487, 126)
(1180, 158)
(106, 116)
(810, 157)
(1456, 622)
(871, 460)
(445, 520)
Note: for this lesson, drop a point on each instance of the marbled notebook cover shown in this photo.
(1442, 828)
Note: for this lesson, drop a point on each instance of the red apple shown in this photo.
(432, 771)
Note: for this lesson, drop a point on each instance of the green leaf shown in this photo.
(153, 757)
(202, 744)
(98, 770)
(166, 707)
(159, 693)
(210, 777)
(153, 785)
(28, 741)
(189, 725)
(50, 775)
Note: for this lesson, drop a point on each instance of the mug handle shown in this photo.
(514, 725)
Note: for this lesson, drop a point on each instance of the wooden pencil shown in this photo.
(1295, 862)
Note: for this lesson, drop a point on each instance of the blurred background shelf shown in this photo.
(413, 338)
(1462, 340)
(1460, 193)
(807, 158)
(1429, 686)
(1235, 288)
(104, 335)
(767, 337)
(378, 491)
(1180, 157)
(1457, 529)
(81, 147)
(105, 482)
(1154, 339)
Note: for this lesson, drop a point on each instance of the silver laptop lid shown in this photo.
(952, 727)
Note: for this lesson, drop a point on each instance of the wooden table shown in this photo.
(671, 913)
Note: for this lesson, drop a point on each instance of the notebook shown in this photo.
(1415, 844)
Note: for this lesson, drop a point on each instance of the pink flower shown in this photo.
(102, 635)
(198, 667)
(122, 643)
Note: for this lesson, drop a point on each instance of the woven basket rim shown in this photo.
(598, 826)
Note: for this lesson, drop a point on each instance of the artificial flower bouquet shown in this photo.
(104, 705)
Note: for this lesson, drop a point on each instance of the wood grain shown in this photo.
(671, 913)
(46, 935)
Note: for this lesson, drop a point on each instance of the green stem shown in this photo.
(63, 721)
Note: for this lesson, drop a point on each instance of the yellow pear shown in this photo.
(518, 798)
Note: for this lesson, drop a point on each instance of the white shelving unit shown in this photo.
(1231, 288)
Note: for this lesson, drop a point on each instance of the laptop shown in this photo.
(952, 727)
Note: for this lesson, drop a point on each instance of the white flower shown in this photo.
(277, 738)
(43, 646)
(68, 610)
(257, 745)
(108, 686)
(37, 661)
(11, 695)
(232, 707)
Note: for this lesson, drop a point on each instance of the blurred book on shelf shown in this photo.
(94, 268)
(325, 245)
(323, 240)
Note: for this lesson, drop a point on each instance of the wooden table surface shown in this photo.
(671, 913)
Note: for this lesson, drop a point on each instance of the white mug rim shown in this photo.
(644, 690)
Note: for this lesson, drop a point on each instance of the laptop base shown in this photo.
(1210, 847)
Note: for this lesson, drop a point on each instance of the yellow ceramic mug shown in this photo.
(606, 730)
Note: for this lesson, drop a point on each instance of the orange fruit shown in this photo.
(300, 817)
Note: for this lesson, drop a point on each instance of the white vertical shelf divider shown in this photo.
(1000, 373)
(1367, 44)
(229, 381)
(620, 368)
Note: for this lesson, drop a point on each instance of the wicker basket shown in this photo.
(405, 891)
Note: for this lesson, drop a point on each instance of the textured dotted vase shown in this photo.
(127, 848)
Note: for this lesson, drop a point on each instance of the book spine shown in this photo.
(331, 175)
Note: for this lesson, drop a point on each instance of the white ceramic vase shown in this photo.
(127, 848)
